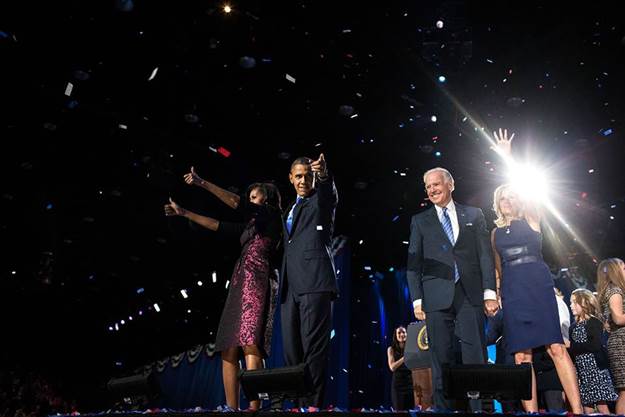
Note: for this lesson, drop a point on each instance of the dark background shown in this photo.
(85, 176)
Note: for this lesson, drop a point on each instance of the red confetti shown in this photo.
(225, 152)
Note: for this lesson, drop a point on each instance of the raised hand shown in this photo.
(504, 144)
(173, 209)
(192, 178)
(319, 166)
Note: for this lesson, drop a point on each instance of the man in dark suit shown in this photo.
(451, 277)
(308, 279)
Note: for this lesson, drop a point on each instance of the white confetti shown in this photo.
(153, 74)
(121, 126)
(319, 227)
(68, 89)
(289, 78)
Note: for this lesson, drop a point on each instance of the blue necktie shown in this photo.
(449, 231)
(289, 219)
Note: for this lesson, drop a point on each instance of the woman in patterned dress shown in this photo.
(611, 289)
(595, 383)
(247, 319)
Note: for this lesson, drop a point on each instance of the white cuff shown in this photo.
(490, 295)
(416, 303)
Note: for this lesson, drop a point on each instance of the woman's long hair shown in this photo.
(609, 272)
(395, 343)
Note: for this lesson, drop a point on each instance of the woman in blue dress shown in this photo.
(526, 287)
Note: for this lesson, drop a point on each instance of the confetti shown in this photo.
(68, 89)
(289, 78)
(153, 74)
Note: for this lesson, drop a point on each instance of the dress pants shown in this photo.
(306, 326)
(455, 331)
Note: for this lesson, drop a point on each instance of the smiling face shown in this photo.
(438, 188)
(509, 204)
(401, 335)
(301, 177)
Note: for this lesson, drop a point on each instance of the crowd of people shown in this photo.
(28, 394)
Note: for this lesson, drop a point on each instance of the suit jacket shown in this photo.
(431, 258)
(307, 264)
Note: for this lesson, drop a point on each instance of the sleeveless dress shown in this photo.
(247, 317)
(402, 395)
(530, 309)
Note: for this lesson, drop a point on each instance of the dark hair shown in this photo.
(302, 160)
(270, 191)
(395, 343)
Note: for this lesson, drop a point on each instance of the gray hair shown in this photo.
(446, 174)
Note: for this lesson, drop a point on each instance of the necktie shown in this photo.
(449, 231)
(289, 219)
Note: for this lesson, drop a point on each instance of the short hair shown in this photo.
(446, 174)
(302, 160)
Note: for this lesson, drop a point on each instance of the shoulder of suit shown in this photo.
(423, 213)
(468, 208)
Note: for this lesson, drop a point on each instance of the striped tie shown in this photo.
(449, 231)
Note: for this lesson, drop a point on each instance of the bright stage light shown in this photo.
(227, 8)
(529, 181)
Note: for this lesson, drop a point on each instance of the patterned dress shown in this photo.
(595, 384)
(247, 318)
(616, 342)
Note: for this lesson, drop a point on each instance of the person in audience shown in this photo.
(611, 290)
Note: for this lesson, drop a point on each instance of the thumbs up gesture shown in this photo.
(192, 178)
(319, 167)
(173, 209)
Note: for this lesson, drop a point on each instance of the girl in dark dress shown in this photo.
(526, 288)
(595, 383)
(402, 395)
(247, 319)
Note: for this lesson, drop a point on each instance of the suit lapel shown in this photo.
(436, 224)
(461, 214)
(296, 214)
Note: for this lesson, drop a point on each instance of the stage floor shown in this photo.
(287, 413)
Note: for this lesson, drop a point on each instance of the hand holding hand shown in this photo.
(491, 307)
